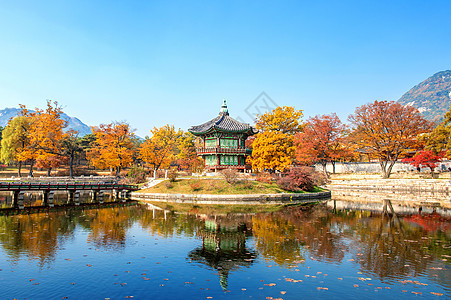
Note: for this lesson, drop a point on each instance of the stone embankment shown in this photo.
(233, 199)
(409, 192)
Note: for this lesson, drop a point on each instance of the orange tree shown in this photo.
(321, 141)
(187, 156)
(388, 130)
(273, 147)
(46, 134)
(159, 151)
(112, 148)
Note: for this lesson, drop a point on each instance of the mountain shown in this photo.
(73, 123)
(431, 97)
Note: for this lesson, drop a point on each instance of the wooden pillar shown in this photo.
(100, 197)
(77, 197)
(18, 199)
(116, 194)
(70, 196)
(94, 196)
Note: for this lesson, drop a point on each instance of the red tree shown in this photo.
(424, 159)
(321, 141)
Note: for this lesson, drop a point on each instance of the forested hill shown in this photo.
(73, 123)
(432, 97)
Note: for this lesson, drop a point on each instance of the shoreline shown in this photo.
(239, 199)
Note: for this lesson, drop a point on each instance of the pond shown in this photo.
(141, 252)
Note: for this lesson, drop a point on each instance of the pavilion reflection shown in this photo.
(223, 246)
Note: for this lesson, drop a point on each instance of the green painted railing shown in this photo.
(23, 186)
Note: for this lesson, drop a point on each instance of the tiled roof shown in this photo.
(223, 122)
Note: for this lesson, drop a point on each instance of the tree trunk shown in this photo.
(49, 171)
(31, 168)
(324, 164)
(387, 170)
(333, 166)
(71, 163)
(20, 168)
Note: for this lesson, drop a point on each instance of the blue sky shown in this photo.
(156, 62)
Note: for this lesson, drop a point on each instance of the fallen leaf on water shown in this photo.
(322, 288)
(404, 291)
(417, 293)
(388, 288)
(437, 294)
(270, 284)
(340, 278)
(243, 289)
(355, 285)
(68, 259)
(283, 292)
(36, 283)
(31, 279)
(89, 265)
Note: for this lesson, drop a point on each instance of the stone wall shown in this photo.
(233, 199)
(410, 192)
(374, 167)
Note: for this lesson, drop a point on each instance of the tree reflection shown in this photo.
(38, 236)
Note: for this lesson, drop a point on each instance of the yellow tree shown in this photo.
(187, 156)
(440, 138)
(113, 147)
(15, 141)
(273, 148)
(159, 150)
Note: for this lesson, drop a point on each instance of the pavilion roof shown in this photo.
(224, 123)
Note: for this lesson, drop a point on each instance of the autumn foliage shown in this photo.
(424, 159)
(273, 148)
(387, 130)
(113, 147)
(322, 141)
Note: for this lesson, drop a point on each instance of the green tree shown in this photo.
(15, 141)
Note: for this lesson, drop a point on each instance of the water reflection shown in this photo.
(223, 246)
(386, 247)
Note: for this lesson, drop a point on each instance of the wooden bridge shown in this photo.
(18, 189)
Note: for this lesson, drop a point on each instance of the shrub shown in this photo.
(2, 167)
(195, 186)
(211, 185)
(264, 177)
(136, 175)
(247, 185)
(319, 178)
(231, 176)
(297, 179)
(168, 185)
(172, 175)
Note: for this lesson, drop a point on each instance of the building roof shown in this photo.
(224, 123)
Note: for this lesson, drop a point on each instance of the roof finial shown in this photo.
(224, 110)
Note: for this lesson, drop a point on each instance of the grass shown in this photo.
(219, 208)
(216, 187)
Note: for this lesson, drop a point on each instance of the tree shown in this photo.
(15, 141)
(424, 159)
(187, 156)
(160, 149)
(273, 148)
(112, 148)
(440, 138)
(387, 130)
(71, 146)
(283, 119)
(46, 134)
(322, 141)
